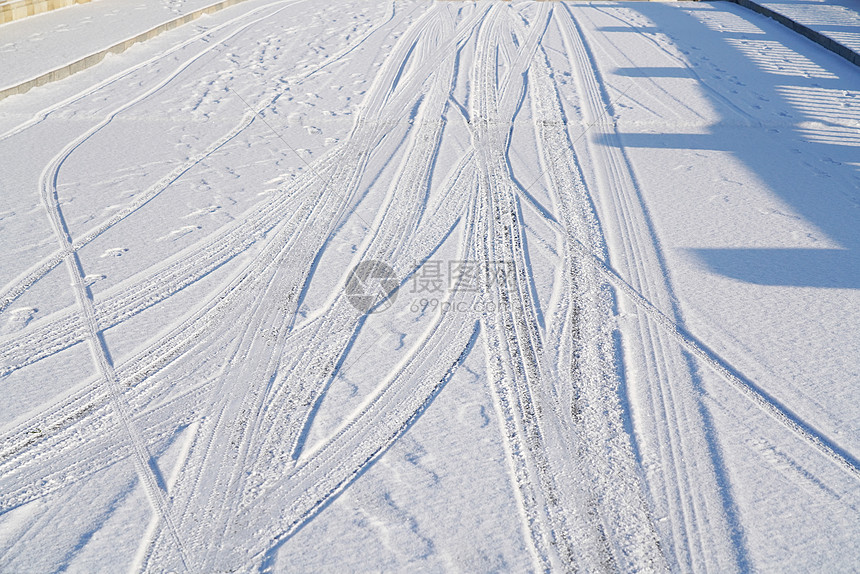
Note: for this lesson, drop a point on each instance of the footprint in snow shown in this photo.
(114, 252)
(90, 280)
(177, 233)
(18, 319)
(202, 211)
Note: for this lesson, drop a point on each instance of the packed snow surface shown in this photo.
(442, 286)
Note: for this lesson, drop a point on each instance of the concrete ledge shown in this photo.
(93, 59)
(18, 9)
(813, 35)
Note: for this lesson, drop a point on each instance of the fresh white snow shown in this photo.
(624, 337)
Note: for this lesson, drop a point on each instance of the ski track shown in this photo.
(242, 377)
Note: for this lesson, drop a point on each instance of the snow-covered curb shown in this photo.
(94, 58)
(813, 35)
(18, 9)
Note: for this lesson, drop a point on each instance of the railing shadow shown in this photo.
(809, 98)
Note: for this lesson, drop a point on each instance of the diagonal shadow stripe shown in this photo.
(833, 268)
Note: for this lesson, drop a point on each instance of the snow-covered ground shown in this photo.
(837, 19)
(448, 286)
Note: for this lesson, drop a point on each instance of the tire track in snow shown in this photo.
(143, 460)
(165, 349)
(672, 424)
(429, 142)
(766, 402)
(168, 342)
(17, 287)
(246, 416)
(87, 447)
(420, 139)
(326, 469)
(337, 463)
(332, 336)
(584, 352)
(758, 396)
(56, 337)
(22, 429)
(53, 334)
(453, 190)
(559, 539)
(776, 410)
(397, 222)
(322, 471)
